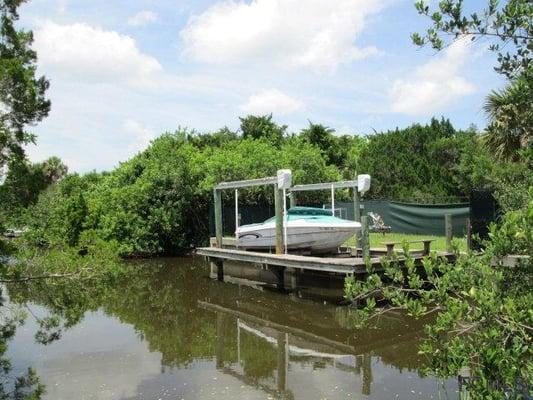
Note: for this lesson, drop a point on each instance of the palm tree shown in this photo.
(510, 111)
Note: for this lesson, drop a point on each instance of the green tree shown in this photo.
(320, 136)
(507, 27)
(216, 139)
(262, 127)
(22, 93)
(511, 117)
(54, 169)
(418, 163)
(24, 182)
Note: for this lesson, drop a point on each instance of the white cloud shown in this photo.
(434, 85)
(271, 101)
(92, 54)
(142, 18)
(139, 136)
(314, 33)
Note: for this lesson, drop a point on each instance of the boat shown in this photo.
(307, 228)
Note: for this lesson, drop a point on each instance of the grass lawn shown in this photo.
(376, 240)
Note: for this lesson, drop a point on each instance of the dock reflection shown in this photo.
(261, 343)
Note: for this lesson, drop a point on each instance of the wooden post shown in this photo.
(464, 380)
(356, 205)
(283, 361)
(449, 232)
(278, 205)
(427, 247)
(468, 234)
(218, 217)
(219, 347)
(365, 242)
(357, 214)
(332, 200)
(220, 270)
(367, 374)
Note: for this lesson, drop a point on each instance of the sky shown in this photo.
(124, 71)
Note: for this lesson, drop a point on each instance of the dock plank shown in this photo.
(346, 265)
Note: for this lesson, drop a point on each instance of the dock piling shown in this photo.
(218, 217)
(278, 204)
(220, 270)
(365, 241)
(449, 232)
(357, 213)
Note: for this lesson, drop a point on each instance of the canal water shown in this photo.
(167, 331)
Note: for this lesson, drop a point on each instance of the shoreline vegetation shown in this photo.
(158, 202)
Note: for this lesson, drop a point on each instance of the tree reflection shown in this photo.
(27, 385)
(250, 335)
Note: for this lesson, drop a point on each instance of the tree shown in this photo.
(418, 163)
(511, 117)
(508, 28)
(53, 169)
(22, 94)
(318, 135)
(215, 139)
(262, 127)
(25, 181)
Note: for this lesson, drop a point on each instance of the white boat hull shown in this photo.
(301, 234)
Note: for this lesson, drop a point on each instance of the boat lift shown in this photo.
(282, 182)
(361, 185)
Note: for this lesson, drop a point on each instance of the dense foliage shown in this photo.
(158, 202)
(419, 163)
(511, 117)
(22, 93)
(484, 320)
(24, 182)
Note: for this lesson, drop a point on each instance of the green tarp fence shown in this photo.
(425, 219)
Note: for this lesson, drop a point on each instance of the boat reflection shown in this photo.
(266, 344)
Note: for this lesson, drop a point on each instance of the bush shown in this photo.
(158, 202)
(418, 163)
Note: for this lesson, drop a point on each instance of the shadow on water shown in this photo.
(165, 330)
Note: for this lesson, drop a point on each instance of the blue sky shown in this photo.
(122, 72)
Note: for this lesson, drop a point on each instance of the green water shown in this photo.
(166, 331)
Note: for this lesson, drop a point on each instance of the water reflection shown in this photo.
(290, 348)
(167, 331)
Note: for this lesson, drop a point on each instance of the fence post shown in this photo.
(218, 217)
(365, 242)
(468, 234)
(449, 232)
(278, 205)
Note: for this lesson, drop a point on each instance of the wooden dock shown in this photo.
(342, 264)
(284, 267)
